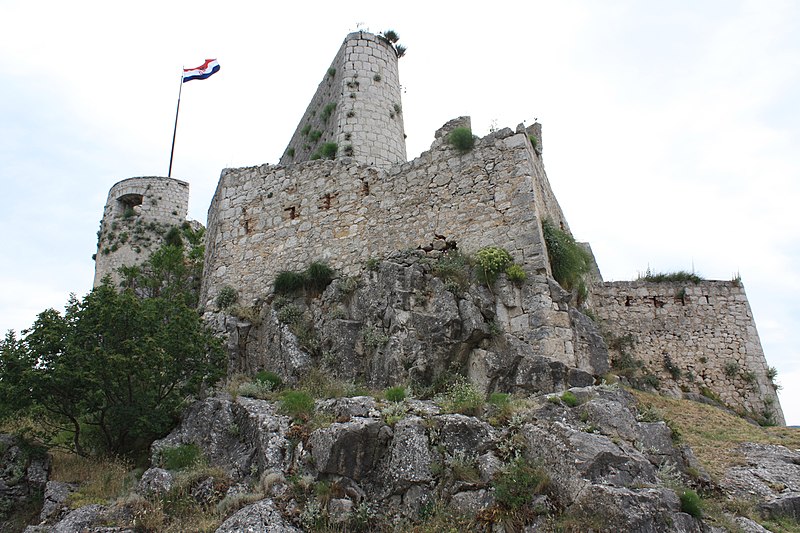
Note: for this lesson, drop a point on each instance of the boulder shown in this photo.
(257, 518)
(349, 449)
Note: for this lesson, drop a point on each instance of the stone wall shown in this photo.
(707, 332)
(136, 216)
(357, 106)
(266, 219)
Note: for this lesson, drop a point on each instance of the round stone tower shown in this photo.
(356, 110)
(137, 216)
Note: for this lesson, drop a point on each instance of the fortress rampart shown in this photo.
(136, 215)
(357, 106)
(694, 336)
(266, 219)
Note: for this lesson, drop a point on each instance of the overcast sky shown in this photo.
(671, 129)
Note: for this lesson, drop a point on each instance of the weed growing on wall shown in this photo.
(461, 139)
(568, 260)
(226, 297)
(666, 277)
(491, 261)
(313, 279)
(328, 150)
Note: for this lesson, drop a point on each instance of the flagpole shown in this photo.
(175, 129)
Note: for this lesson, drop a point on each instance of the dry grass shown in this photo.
(714, 434)
(101, 480)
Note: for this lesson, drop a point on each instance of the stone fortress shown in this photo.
(344, 193)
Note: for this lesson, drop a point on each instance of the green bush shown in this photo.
(391, 36)
(328, 150)
(180, 457)
(331, 72)
(491, 261)
(306, 130)
(290, 152)
(226, 297)
(534, 141)
(289, 282)
(274, 380)
(568, 260)
(691, 503)
(517, 484)
(395, 394)
(461, 139)
(315, 135)
(297, 404)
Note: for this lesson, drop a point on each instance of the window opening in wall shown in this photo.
(365, 188)
(130, 204)
(627, 301)
(291, 212)
(657, 303)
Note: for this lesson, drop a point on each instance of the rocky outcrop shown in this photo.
(415, 316)
(23, 474)
(600, 461)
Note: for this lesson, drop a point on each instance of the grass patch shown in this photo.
(666, 277)
(101, 479)
(395, 394)
(181, 457)
(517, 484)
(314, 279)
(297, 404)
(714, 434)
(328, 150)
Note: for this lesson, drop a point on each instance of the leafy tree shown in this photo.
(112, 372)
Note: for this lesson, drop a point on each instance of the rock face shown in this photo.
(23, 474)
(409, 321)
(590, 453)
(772, 475)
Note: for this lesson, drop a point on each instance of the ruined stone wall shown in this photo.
(357, 106)
(271, 218)
(136, 216)
(706, 330)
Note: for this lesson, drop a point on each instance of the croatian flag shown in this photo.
(211, 66)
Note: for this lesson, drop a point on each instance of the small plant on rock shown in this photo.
(461, 139)
(274, 380)
(328, 150)
(491, 261)
(569, 399)
(517, 484)
(516, 274)
(691, 503)
(226, 297)
(462, 397)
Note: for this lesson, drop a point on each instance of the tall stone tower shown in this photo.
(357, 106)
(137, 216)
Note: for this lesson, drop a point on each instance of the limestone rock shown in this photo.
(257, 518)
(55, 499)
(349, 449)
(155, 481)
